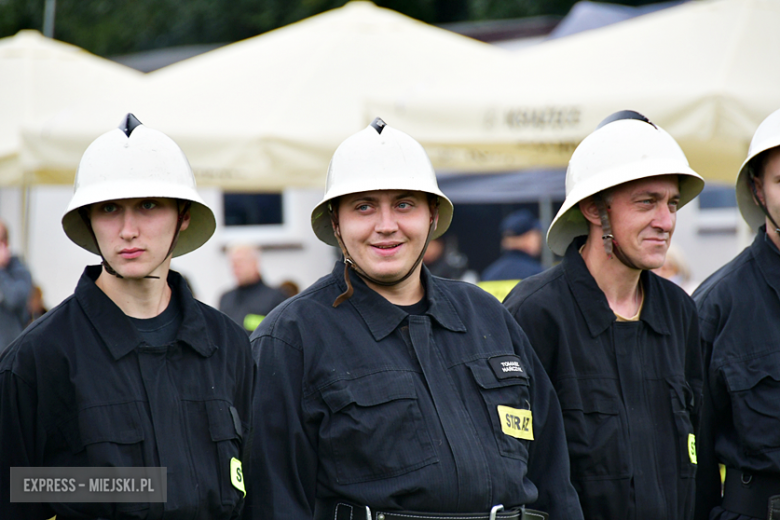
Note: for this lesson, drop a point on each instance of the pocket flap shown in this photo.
(745, 374)
(682, 396)
(369, 390)
(115, 423)
(224, 423)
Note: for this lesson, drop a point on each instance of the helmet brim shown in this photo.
(202, 220)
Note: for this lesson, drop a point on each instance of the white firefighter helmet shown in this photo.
(767, 136)
(135, 161)
(378, 157)
(625, 147)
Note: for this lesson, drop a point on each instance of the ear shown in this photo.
(590, 211)
(185, 221)
(433, 207)
(334, 221)
(759, 183)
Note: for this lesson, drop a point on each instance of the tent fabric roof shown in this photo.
(701, 70)
(267, 113)
(40, 76)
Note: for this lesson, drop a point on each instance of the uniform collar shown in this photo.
(119, 334)
(593, 303)
(382, 317)
(768, 258)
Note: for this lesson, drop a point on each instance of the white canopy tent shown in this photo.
(267, 113)
(39, 76)
(704, 71)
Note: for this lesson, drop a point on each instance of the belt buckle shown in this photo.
(495, 510)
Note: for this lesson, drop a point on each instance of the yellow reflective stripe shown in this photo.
(692, 448)
(498, 288)
(252, 321)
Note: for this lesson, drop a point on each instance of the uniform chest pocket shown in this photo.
(513, 422)
(598, 448)
(226, 432)
(375, 429)
(754, 387)
(108, 435)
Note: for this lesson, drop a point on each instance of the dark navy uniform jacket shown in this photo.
(366, 403)
(739, 312)
(79, 388)
(512, 265)
(629, 391)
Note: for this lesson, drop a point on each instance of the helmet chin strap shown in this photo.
(350, 262)
(610, 244)
(110, 270)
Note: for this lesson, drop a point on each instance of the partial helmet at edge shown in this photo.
(622, 149)
(135, 161)
(378, 157)
(767, 136)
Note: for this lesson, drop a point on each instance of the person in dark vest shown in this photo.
(250, 302)
(521, 241)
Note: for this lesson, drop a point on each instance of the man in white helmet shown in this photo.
(131, 370)
(620, 344)
(738, 308)
(390, 394)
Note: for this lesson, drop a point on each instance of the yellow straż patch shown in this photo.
(516, 423)
(237, 475)
(692, 448)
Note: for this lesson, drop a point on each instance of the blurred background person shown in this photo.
(443, 259)
(521, 241)
(252, 299)
(15, 287)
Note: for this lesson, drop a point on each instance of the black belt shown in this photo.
(344, 510)
(752, 494)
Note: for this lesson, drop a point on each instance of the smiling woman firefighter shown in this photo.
(387, 393)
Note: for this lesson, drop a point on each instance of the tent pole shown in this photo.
(48, 18)
(545, 217)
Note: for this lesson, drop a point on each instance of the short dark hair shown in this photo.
(3, 233)
(757, 164)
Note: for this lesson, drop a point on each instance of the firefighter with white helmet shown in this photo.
(388, 393)
(619, 343)
(131, 371)
(738, 309)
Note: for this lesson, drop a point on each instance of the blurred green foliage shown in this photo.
(114, 27)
